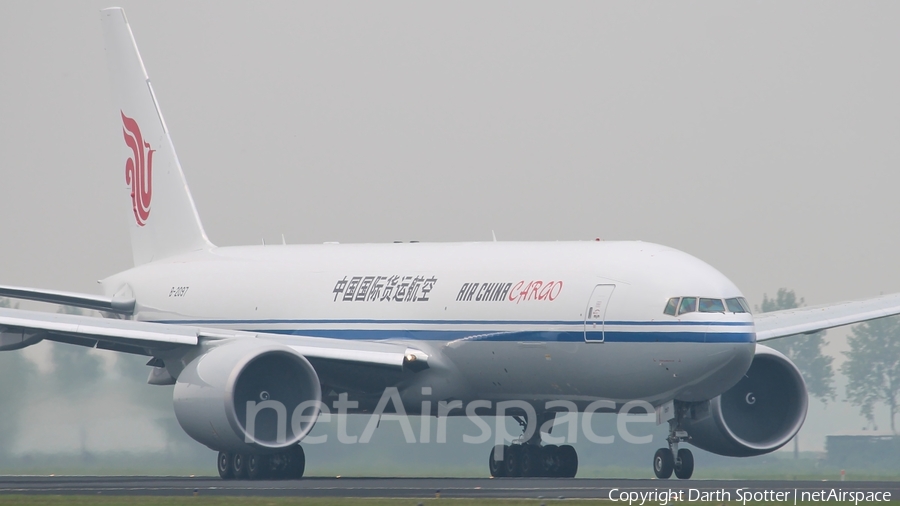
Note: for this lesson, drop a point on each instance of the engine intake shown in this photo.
(248, 394)
(758, 415)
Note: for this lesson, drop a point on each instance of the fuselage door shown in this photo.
(595, 313)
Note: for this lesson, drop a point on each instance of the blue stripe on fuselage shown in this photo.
(448, 322)
(575, 335)
(522, 336)
(528, 336)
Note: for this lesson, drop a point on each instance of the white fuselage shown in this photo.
(500, 320)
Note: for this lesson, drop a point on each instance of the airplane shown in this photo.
(250, 334)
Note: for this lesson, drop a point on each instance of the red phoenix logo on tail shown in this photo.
(138, 170)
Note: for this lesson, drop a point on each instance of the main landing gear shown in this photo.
(679, 460)
(533, 459)
(286, 465)
(529, 460)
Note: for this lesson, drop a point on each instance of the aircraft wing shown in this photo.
(805, 320)
(95, 302)
(20, 328)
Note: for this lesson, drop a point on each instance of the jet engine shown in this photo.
(248, 395)
(758, 415)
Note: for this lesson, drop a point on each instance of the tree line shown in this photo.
(872, 367)
(75, 373)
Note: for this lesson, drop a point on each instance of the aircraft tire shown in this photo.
(239, 466)
(296, 463)
(257, 467)
(531, 461)
(277, 467)
(684, 465)
(223, 462)
(512, 457)
(497, 467)
(550, 464)
(568, 461)
(663, 463)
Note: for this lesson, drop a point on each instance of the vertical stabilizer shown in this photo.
(162, 218)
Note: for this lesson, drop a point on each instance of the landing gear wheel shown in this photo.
(239, 466)
(568, 461)
(663, 463)
(257, 466)
(531, 461)
(226, 472)
(684, 464)
(497, 467)
(673, 458)
(296, 463)
(512, 457)
(277, 465)
(550, 461)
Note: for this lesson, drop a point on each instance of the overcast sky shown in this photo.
(760, 137)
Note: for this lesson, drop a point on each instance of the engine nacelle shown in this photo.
(248, 394)
(758, 415)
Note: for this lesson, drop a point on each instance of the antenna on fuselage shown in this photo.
(494, 235)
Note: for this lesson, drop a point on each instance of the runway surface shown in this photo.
(548, 488)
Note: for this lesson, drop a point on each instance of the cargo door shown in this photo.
(595, 314)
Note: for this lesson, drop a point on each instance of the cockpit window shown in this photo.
(683, 305)
(671, 306)
(688, 305)
(735, 306)
(712, 306)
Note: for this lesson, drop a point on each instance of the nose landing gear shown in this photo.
(674, 459)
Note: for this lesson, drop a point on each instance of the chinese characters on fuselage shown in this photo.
(512, 292)
(384, 289)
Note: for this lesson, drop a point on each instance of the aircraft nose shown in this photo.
(722, 361)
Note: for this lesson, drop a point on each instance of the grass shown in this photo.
(76, 500)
